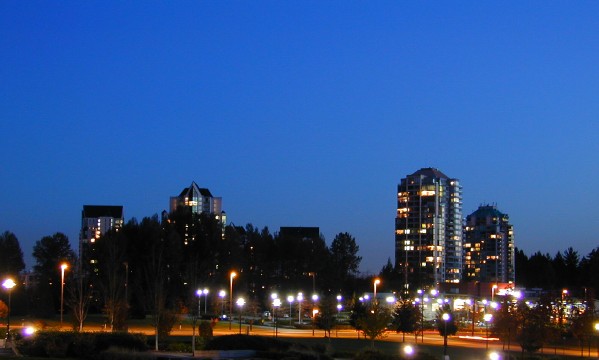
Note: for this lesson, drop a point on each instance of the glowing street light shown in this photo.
(63, 267)
(233, 274)
(275, 304)
(199, 294)
(222, 294)
(205, 292)
(240, 303)
(408, 350)
(290, 301)
(376, 282)
(445, 318)
(8, 284)
(487, 318)
(299, 298)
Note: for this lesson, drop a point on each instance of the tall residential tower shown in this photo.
(428, 229)
(489, 252)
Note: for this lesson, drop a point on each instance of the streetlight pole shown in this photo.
(233, 274)
(199, 294)
(290, 300)
(205, 292)
(314, 311)
(222, 294)
(8, 284)
(446, 318)
(275, 304)
(240, 303)
(487, 318)
(63, 267)
(300, 297)
(376, 282)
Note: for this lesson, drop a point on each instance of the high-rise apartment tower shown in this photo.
(96, 220)
(489, 252)
(428, 229)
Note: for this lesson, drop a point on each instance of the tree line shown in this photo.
(155, 266)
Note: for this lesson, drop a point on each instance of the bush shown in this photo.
(245, 342)
(372, 354)
(61, 344)
(268, 347)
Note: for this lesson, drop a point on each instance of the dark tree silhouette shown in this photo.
(405, 318)
(11, 255)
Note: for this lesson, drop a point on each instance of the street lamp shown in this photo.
(205, 292)
(300, 297)
(339, 307)
(275, 305)
(63, 267)
(8, 284)
(376, 282)
(222, 294)
(446, 318)
(493, 289)
(233, 274)
(199, 294)
(290, 301)
(487, 318)
(240, 303)
(314, 311)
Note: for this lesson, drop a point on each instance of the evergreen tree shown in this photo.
(11, 255)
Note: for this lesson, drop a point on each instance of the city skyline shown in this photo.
(300, 114)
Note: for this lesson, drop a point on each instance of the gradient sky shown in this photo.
(301, 113)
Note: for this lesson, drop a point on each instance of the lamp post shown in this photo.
(199, 293)
(233, 274)
(290, 301)
(205, 292)
(375, 283)
(493, 289)
(300, 297)
(487, 318)
(445, 318)
(63, 267)
(314, 311)
(8, 284)
(339, 307)
(222, 294)
(240, 303)
(275, 304)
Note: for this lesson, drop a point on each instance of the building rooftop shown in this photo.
(430, 172)
(97, 211)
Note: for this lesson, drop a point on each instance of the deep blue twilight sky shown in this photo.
(301, 113)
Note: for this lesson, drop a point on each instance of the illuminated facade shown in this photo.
(489, 246)
(428, 229)
(96, 220)
(200, 201)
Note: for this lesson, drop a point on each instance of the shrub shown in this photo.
(60, 344)
(372, 354)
